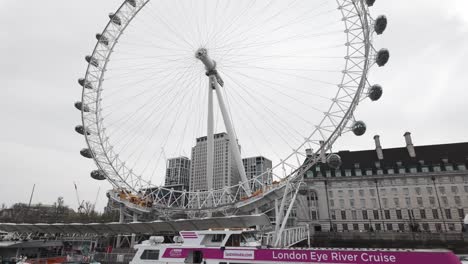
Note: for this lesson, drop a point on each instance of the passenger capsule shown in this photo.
(79, 105)
(380, 24)
(132, 2)
(93, 61)
(87, 153)
(359, 128)
(382, 57)
(115, 19)
(334, 161)
(370, 2)
(81, 130)
(375, 92)
(98, 175)
(86, 84)
(102, 39)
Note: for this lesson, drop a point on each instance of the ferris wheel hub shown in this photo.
(210, 65)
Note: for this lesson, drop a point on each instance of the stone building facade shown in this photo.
(413, 188)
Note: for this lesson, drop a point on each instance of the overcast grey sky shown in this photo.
(42, 45)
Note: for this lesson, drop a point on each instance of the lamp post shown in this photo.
(438, 202)
(380, 204)
(328, 206)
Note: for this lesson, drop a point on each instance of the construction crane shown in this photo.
(80, 204)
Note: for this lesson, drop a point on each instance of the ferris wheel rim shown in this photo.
(101, 156)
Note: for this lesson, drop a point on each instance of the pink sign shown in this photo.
(321, 256)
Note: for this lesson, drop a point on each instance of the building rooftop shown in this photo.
(442, 157)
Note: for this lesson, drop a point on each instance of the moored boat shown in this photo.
(240, 246)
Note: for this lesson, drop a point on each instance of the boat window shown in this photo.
(248, 237)
(150, 254)
(218, 237)
(234, 240)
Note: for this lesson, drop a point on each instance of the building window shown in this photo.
(436, 168)
(398, 214)
(340, 193)
(417, 190)
(374, 202)
(461, 213)
(420, 201)
(422, 212)
(448, 167)
(368, 172)
(347, 172)
(345, 227)
(408, 201)
(383, 191)
(351, 193)
(389, 227)
(372, 191)
(366, 227)
(442, 189)
(341, 203)
(462, 167)
(335, 227)
(378, 227)
(438, 227)
(405, 191)
(425, 169)
(364, 215)
(355, 227)
(454, 189)
(432, 200)
(445, 200)
(387, 214)
(401, 227)
(333, 215)
(451, 227)
(457, 200)
(354, 215)
(330, 193)
(448, 214)
(343, 215)
(385, 202)
(394, 191)
(397, 202)
(332, 203)
(358, 172)
(361, 193)
(363, 203)
(429, 190)
(425, 226)
(466, 188)
(435, 214)
(314, 215)
(376, 214)
(413, 170)
(391, 171)
(351, 203)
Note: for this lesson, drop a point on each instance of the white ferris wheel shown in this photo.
(278, 77)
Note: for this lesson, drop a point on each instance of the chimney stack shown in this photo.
(309, 152)
(323, 157)
(378, 147)
(409, 144)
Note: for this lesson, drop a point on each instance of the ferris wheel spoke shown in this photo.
(287, 128)
(265, 117)
(162, 116)
(155, 110)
